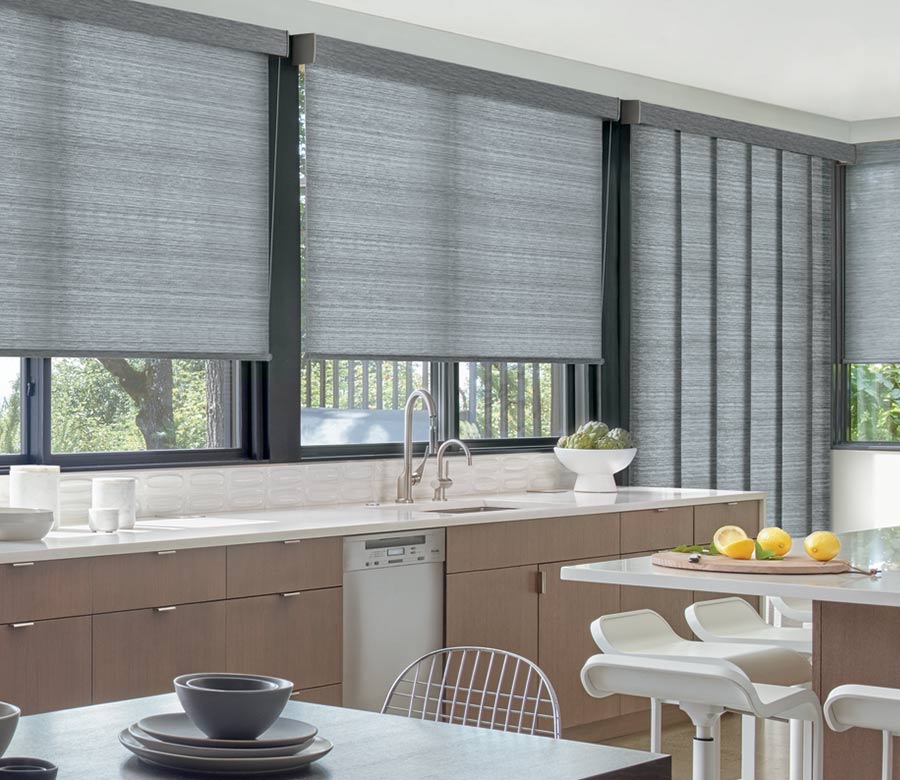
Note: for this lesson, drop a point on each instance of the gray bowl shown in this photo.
(9, 720)
(27, 769)
(232, 706)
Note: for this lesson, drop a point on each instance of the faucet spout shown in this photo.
(410, 477)
(443, 468)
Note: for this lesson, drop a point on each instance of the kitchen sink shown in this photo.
(465, 510)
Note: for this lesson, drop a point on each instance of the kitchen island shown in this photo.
(856, 624)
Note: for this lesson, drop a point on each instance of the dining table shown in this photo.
(84, 744)
(855, 626)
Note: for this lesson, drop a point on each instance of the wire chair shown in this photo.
(477, 686)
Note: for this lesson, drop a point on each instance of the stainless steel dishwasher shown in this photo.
(393, 609)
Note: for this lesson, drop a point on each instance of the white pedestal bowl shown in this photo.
(595, 468)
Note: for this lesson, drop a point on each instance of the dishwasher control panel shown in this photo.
(393, 549)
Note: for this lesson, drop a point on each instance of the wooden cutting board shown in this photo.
(790, 564)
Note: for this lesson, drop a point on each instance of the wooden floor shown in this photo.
(772, 749)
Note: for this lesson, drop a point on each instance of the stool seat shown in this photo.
(867, 707)
(734, 620)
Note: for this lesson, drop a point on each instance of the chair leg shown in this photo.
(717, 741)
(887, 755)
(808, 750)
(706, 748)
(796, 754)
(748, 747)
(655, 726)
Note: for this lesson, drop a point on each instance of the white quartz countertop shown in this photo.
(224, 528)
(879, 548)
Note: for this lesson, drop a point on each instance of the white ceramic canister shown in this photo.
(35, 487)
(116, 493)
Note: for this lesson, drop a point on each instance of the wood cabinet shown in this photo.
(708, 518)
(279, 567)
(496, 608)
(39, 590)
(46, 665)
(296, 636)
(656, 529)
(158, 579)
(139, 652)
(330, 694)
(566, 611)
(499, 545)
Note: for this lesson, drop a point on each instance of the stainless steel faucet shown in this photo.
(409, 478)
(443, 480)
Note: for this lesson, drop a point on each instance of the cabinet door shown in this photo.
(46, 665)
(295, 636)
(40, 590)
(329, 694)
(497, 608)
(567, 610)
(277, 567)
(138, 653)
(656, 529)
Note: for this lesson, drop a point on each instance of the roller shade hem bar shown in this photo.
(134, 355)
(860, 361)
(163, 22)
(636, 112)
(454, 359)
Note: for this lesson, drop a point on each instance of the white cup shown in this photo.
(116, 492)
(103, 520)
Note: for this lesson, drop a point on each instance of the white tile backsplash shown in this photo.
(206, 489)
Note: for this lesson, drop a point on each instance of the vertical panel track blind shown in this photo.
(133, 186)
(454, 213)
(731, 271)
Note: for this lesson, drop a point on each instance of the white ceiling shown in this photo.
(829, 57)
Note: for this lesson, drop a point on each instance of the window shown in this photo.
(874, 402)
(10, 406)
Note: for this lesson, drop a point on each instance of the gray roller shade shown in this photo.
(452, 213)
(871, 310)
(731, 320)
(133, 193)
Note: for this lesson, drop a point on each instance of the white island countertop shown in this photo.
(878, 548)
(247, 527)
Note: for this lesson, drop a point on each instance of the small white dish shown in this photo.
(239, 766)
(24, 525)
(103, 520)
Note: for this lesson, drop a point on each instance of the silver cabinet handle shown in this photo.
(22, 625)
(166, 552)
(662, 509)
(165, 609)
(20, 565)
(291, 593)
(732, 503)
(291, 541)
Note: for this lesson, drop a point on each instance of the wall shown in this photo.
(300, 16)
(865, 489)
(209, 489)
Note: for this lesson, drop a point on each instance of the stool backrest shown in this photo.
(721, 617)
(639, 631)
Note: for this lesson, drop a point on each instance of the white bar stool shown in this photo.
(733, 620)
(704, 690)
(798, 610)
(644, 632)
(867, 707)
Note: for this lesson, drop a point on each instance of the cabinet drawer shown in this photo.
(157, 579)
(295, 636)
(528, 542)
(329, 694)
(656, 529)
(710, 517)
(279, 567)
(44, 589)
(138, 653)
(46, 665)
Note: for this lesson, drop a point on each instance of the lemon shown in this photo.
(728, 534)
(822, 545)
(775, 540)
(741, 549)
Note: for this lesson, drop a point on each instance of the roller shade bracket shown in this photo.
(303, 49)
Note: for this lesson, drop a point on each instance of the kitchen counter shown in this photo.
(229, 528)
(864, 549)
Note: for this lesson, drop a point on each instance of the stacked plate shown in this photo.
(174, 742)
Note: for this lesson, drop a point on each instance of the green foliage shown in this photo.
(10, 422)
(875, 402)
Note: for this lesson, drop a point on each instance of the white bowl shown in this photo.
(24, 525)
(595, 468)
